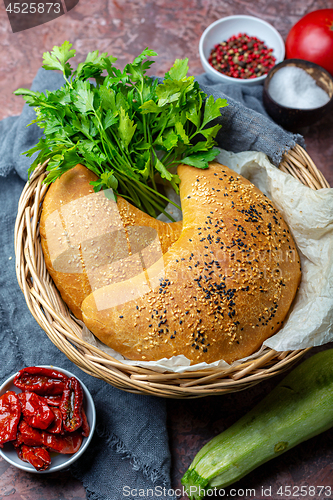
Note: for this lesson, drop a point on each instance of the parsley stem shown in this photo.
(152, 173)
(144, 187)
(153, 202)
(126, 187)
(126, 159)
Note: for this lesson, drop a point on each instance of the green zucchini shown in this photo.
(300, 407)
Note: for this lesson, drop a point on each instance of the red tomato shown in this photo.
(311, 38)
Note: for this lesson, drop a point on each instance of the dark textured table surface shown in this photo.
(172, 28)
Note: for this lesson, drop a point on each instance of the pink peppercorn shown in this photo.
(240, 53)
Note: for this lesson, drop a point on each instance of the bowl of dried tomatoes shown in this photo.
(47, 419)
(240, 49)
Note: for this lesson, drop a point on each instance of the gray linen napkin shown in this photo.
(130, 445)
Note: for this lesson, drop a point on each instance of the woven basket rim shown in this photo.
(53, 315)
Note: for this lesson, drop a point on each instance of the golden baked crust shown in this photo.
(221, 289)
(84, 235)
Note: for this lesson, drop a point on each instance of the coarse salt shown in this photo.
(295, 88)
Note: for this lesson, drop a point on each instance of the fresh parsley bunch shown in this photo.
(123, 125)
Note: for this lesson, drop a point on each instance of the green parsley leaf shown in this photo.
(212, 109)
(150, 107)
(84, 98)
(109, 119)
(181, 132)
(171, 140)
(165, 174)
(178, 70)
(200, 160)
(58, 58)
(107, 180)
(126, 128)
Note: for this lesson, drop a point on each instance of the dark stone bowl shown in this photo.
(295, 119)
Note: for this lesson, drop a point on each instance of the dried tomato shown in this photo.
(71, 405)
(56, 426)
(67, 444)
(28, 435)
(35, 411)
(39, 457)
(10, 412)
(85, 425)
(52, 400)
(43, 381)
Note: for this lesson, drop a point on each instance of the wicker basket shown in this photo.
(55, 318)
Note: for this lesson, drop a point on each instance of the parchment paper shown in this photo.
(309, 215)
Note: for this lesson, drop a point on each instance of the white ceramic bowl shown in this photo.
(58, 461)
(224, 28)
